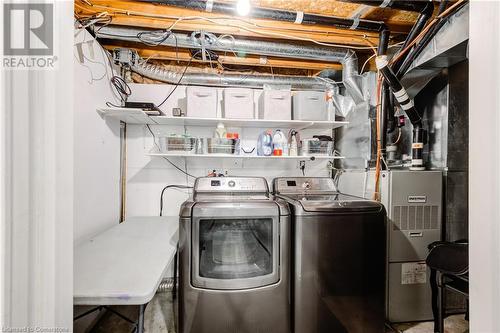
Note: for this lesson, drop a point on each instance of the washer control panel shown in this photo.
(303, 184)
(231, 184)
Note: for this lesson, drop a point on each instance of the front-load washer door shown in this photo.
(235, 245)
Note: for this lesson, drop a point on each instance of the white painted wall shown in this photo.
(484, 166)
(147, 176)
(97, 142)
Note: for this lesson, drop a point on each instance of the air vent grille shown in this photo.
(415, 217)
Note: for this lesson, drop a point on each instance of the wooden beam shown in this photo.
(162, 17)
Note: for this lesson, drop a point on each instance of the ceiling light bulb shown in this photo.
(243, 7)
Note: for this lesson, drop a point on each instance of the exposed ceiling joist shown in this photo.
(147, 15)
(162, 17)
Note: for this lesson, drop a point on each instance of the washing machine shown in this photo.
(338, 258)
(234, 242)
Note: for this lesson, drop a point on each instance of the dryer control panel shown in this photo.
(303, 184)
(231, 184)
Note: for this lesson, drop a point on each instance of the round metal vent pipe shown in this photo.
(209, 41)
(229, 80)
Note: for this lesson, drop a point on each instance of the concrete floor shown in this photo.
(159, 318)
(452, 324)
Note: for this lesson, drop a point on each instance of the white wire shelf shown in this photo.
(137, 116)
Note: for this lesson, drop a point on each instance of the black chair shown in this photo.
(449, 265)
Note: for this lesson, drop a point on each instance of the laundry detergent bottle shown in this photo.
(279, 143)
(265, 144)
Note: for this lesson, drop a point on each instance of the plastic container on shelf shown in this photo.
(320, 145)
(238, 103)
(177, 144)
(223, 146)
(279, 144)
(201, 102)
(310, 105)
(220, 131)
(265, 144)
(294, 145)
(275, 105)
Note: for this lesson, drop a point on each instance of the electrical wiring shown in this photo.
(156, 38)
(82, 53)
(166, 159)
(182, 187)
(180, 79)
(178, 82)
(398, 138)
(366, 62)
(102, 17)
(123, 85)
(121, 89)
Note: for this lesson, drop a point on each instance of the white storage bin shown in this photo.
(201, 102)
(275, 105)
(238, 103)
(310, 105)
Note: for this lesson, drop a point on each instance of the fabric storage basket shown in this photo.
(238, 103)
(275, 105)
(201, 102)
(310, 105)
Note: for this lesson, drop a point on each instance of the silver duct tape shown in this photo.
(209, 5)
(385, 3)
(299, 18)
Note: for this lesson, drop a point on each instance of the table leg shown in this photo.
(87, 313)
(174, 287)
(140, 322)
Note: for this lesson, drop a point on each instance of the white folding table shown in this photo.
(125, 264)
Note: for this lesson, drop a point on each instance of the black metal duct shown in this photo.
(426, 9)
(408, 107)
(419, 25)
(276, 14)
(412, 6)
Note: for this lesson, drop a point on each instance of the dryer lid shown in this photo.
(334, 202)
